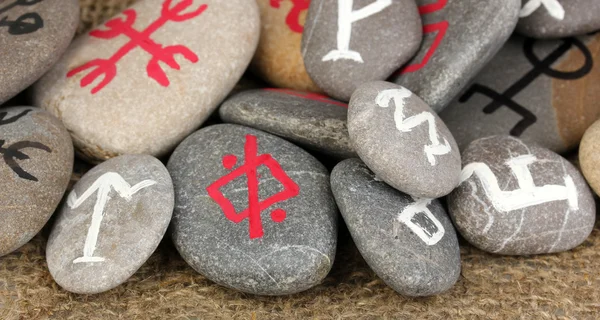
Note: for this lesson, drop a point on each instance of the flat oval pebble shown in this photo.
(37, 161)
(33, 35)
(309, 119)
(278, 59)
(536, 90)
(110, 224)
(409, 242)
(519, 199)
(347, 43)
(459, 38)
(589, 156)
(143, 95)
(552, 19)
(402, 140)
(254, 213)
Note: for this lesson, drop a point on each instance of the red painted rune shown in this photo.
(143, 40)
(438, 28)
(252, 162)
(309, 95)
(293, 17)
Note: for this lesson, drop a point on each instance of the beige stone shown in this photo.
(589, 156)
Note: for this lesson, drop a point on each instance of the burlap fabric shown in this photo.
(560, 286)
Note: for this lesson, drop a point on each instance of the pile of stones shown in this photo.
(417, 120)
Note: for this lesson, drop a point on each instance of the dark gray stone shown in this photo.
(33, 35)
(268, 231)
(553, 19)
(519, 199)
(36, 166)
(340, 56)
(308, 119)
(112, 221)
(409, 242)
(515, 94)
(402, 140)
(459, 38)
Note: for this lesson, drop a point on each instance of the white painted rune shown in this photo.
(406, 124)
(554, 8)
(103, 186)
(346, 17)
(528, 193)
(420, 206)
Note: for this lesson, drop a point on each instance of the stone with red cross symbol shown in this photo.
(459, 38)
(254, 212)
(147, 77)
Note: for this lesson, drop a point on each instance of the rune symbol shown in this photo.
(119, 26)
(293, 17)
(255, 206)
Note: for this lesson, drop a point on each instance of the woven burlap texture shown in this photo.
(559, 286)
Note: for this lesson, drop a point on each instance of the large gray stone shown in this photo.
(520, 199)
(37, 161)
(409, 242)
(459, 38)
(402, 140)
(340, 54)
(270, 230)
(33, 35)
(309, 119)
(112, 221)
(552, 19)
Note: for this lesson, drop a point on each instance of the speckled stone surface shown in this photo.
(310, 120)
(33, 35)
(149, 106)
(254, 213)
(110, 224)
(519, 199)
(410, 243)
(402, 140)
(553, 19)
(519, 95)
(459, 38)
(37, 161)
(340, 56)
(589, 156)
(278, 59)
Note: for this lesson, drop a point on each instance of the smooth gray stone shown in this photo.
(409, 242)
(267, 231)
(111, 223)
(519, 199)
(373, 49)
(459, 38)
(402, 140)
(569, 18)
(515, 94)
(308, 119)
(37, 161)
(33, 36)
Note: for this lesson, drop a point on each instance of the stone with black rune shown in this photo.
(149, 77)
(519, 199)
(37, 161)
(308, 119)
(110, 224)
(553, 19)
(536, 90)
(459, 38)
(409, 242)
(33, 35)
(349, 42)
(254, 212)
(402, 140)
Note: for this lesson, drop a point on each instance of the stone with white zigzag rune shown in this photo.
(553, 19)
(520, 199)
(402, 140)
(409, 242)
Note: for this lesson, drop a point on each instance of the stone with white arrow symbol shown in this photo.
(553, 19)
(112, 222)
